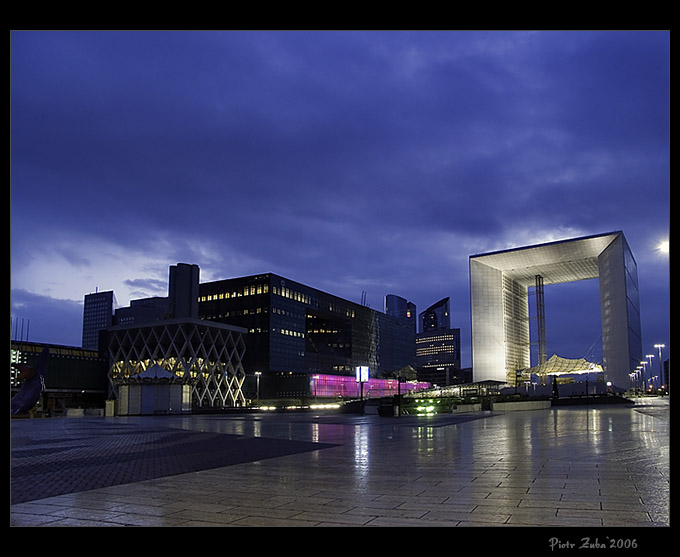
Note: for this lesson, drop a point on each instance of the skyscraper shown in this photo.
(399, 307)
(436, 317)
(183, 290)
(97, 315)
(438, 345)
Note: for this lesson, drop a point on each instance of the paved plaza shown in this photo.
(585, 466)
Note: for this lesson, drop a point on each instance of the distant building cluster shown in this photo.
(292, 339)
(239, 341)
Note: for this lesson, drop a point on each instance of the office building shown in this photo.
(183, 291)
(98, 312)
(436, 317)
(438, 346)
(142, 310)
(76, 377)
(296, 332)
(400, 308)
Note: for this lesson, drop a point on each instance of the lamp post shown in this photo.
(257, 377)
(644, 375)
(651, 378)
(660, 346)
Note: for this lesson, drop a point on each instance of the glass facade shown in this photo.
(295, 331)
(437, 316)
(620, 307)
(399, 307)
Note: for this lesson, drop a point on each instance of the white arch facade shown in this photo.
(499, 304)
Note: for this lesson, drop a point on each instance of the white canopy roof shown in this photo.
(559, 365)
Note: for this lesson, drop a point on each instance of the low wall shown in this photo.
(521, 405)
(82, 412)
(458, 408)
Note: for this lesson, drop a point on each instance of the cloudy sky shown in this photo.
(349, 161)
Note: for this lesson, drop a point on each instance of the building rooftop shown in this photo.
(556, 262)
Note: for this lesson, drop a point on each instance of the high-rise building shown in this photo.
(438, 346)
(436, 317)
(98, 311)
(399, 307)
(183, 290)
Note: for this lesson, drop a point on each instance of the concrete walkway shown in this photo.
(600, 466)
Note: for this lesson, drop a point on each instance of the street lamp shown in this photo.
(660, 346)
(644, 375)
(649, 357)
(257, 377)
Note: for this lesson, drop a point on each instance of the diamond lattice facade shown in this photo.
(206, 355)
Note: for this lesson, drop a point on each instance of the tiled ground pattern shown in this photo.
(80, 455)
(605, 466)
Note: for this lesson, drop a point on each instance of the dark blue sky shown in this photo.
(348, 161)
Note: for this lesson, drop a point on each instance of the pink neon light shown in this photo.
(347, 387)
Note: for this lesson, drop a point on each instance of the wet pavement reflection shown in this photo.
(605, 465)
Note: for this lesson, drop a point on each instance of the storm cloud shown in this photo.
(351, 161)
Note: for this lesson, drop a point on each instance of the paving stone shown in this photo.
(345, 470)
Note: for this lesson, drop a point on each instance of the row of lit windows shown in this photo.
(292, 294)
(279, 311)
(343, 369)
(237, 313)
(290, 333)
(435, 339)
(56, 351)
(307, 299)
(283, 291)
(248, 290)
(434, 350)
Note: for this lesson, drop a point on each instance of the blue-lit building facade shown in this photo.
(298, 336)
